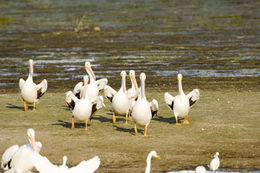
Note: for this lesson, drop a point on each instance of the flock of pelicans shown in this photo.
(84, 101)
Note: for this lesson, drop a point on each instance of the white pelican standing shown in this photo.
(43, 165)
(84, 108)
(120, 100)
(143, 111)
(31, 92)
(148, 160)
(181, 103)
(93, 87)
(19, 159)
(214, 164)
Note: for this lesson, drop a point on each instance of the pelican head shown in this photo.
(30, 61)
(154, 154)
(89, 70)
(31, 138)
(133, 79)
(179, 77)
(123, 74)
(142, 76)
(85, 79)
(216, 155)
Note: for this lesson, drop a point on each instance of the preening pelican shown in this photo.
(200, 169)
(31, 92)
(43, 165)
(214, 164)
(120, 100)
(94, 86)
(143, 111)
(148, 160)
(181, 103)
(19, 159)
(84, 108)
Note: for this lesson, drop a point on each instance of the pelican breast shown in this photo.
(181, 105)
(142, 112)
(120, 103)
(29, 92)
(82, 109)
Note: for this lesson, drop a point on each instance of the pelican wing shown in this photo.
(7, 157)
(41, 88)
(154, 107)
(89, 166)
(77, 89)
(109, 92)
(21, 83)
(169, 99)
(193, 96)
(133, 95)
(43, 165)
(97, 103)
(101, 83)
(71, 99)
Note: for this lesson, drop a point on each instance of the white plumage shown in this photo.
(19, 160)
(84, 108)
(200, 169)
(30, 92)
(94, 85)
(143, 111)
(148, 160)
(43, 165)
(181, 103)
(120, 100)
(214, 164)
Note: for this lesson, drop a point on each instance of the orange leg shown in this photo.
(34, 106)
(72, 122)
(86, 124)
(129, 115)
(177, 123)
(145, 130)
(126, 118)
(186, 121)
(25, 107)
(135, 130)
(114, 117)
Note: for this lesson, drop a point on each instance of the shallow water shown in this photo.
(221, 170)
(201, 39)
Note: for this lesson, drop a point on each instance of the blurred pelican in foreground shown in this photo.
(214, 164)
(148, 160)
(19, 159)
(94, 85)
(120, 99)
(84, 108)
(30, 92)
(143, 111)
(43, 165)
(181, 103)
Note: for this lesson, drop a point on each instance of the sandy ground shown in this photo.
(225, 121)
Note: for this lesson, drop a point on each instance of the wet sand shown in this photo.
(225, 120)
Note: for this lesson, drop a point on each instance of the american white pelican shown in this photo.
(31, 92)
(214, 164)
(143, 111)
(120, 100)
(181, 103)
(148, 160)
(133, 90)
(200, 169)
(19, 159)
(43, 165)
(84, 108)
(93, 87)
